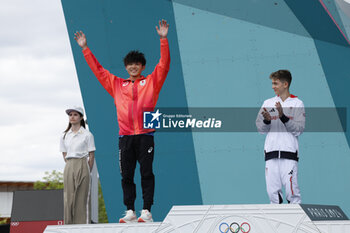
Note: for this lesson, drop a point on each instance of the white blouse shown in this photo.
(77, 145)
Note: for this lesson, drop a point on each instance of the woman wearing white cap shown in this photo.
(77, 146)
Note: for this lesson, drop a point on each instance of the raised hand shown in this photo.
(162, 30)
(80, 38)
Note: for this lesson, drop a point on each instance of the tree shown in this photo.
(102, 214)
(5, 220)
(53, 180)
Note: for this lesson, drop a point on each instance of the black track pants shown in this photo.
(132, 149)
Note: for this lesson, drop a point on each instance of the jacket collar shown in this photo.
(141, 78)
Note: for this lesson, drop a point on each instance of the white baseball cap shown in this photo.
(77, 109)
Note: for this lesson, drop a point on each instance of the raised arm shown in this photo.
(161, 70)
(104, 76)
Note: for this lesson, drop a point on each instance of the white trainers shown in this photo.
(129, 217)
(146, 216)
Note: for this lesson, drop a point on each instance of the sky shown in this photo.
(38, 82)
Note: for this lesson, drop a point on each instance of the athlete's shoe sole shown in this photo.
(131, 221)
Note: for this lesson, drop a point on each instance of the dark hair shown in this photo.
(282, 75)
(134, 57)
(82, 123)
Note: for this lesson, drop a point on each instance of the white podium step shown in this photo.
(252, 219)
(231, 219)
(333, 226)
(105, 228)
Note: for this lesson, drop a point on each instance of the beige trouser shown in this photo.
(77, 191)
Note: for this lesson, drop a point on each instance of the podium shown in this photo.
(33, 210)
(286, 218)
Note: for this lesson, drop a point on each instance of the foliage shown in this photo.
(4, 221)
(102, 214)
(53, 180)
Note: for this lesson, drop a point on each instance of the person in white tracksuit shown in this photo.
(282, 119)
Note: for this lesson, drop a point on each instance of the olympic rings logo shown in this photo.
(234, 227)
(15, 224)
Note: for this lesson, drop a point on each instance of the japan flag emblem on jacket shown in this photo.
(125, 83)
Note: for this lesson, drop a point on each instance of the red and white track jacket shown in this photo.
(282, 136)
(132, 98)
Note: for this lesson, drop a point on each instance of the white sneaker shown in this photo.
(129, 217)
(146, 216)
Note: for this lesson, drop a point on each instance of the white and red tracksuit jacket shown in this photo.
(132, 98)
(282, 134)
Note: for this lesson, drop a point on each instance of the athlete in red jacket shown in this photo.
(131, 97)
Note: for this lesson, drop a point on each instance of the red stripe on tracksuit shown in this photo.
(291, 185)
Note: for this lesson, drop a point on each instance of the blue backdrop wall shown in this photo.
(222, 53)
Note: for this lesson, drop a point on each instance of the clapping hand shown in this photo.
(279, 109)
(266, 115)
